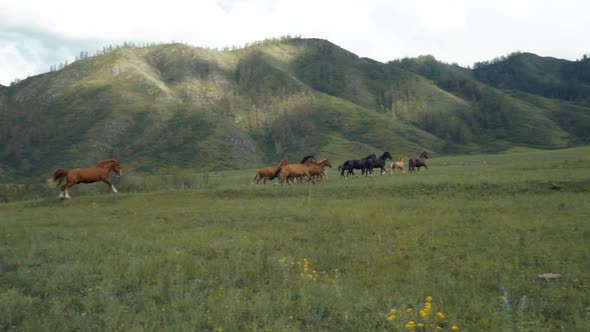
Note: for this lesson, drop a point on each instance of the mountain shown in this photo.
(173, 106)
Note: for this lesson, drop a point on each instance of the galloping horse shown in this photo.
(267, 172)
(293, 171)
(398, 165)
(317, 171)
(379, 162)
(98, 172)
(351, 165)
(417, 162)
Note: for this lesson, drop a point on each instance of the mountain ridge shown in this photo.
(172, 106)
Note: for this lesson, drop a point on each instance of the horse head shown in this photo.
(324, 163)
(424, 155)
(283, 163)
(111, 165)
(386, 155)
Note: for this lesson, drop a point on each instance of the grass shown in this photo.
(339, 255)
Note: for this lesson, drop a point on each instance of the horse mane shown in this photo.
(371, 156)
(305, 158)
(107, 161)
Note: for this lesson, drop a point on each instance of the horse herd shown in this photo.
(311, 170)
(308, 169)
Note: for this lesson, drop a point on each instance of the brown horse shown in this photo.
(398, 165)
(98, 172)
(317, 171)
(294, 171)
(417, 162)
(266, 173)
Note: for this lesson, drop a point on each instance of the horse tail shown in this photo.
(276, 174)
(410, 164)
(57, 177)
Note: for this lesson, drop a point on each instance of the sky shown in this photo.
(36, 34)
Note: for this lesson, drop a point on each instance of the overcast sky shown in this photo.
(35, 34)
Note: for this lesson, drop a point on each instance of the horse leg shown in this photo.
(111, 187)
(64, 189)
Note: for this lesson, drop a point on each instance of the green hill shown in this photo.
(173, 106)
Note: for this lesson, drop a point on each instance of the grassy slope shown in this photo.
(231, 254)
(172, 106)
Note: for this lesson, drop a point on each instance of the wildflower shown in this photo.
(393, 311)
(282, 260)
(440, 316)
(427, 306)
(291, 317)
(409, 310)
(423, 313)
(411, 325)
(454, 328)
(391, 317)
(429, 299)
(439, 328)
(420, 325)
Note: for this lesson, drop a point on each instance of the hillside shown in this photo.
(173, 106)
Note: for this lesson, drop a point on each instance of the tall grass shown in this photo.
(339, 255)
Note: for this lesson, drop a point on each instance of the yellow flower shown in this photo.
(410, 310)
(291, 317)
(439, 328)
(420, 325)
(423, 313)
(410, 325)
(393, 311)
(429, 299)
(427, 305)
(391, 317)
(440, 316)
(454, 328)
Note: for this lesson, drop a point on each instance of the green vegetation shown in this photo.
(212, 251)
(165, 107)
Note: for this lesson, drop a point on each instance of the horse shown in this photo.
(267, 172)
(98, 172)
(378, 162)
(417, 162)
(317, 171)
(351, 165)
(292, 171)
(398, 165)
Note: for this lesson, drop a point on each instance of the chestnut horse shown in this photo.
(398, 165)
(318, 171)
(293, 171)
(266, 173)
(417, 162)
(98, 172)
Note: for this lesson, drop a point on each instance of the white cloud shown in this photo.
(460, 31)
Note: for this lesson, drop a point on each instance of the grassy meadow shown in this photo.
(457, 247)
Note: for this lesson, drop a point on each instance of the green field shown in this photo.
(210, 252)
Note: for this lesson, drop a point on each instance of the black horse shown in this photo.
(417, 162)
(351, 165)
(379, 163)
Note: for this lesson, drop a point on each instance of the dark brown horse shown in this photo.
(417, 162)
(98, 172)
(266, 173)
